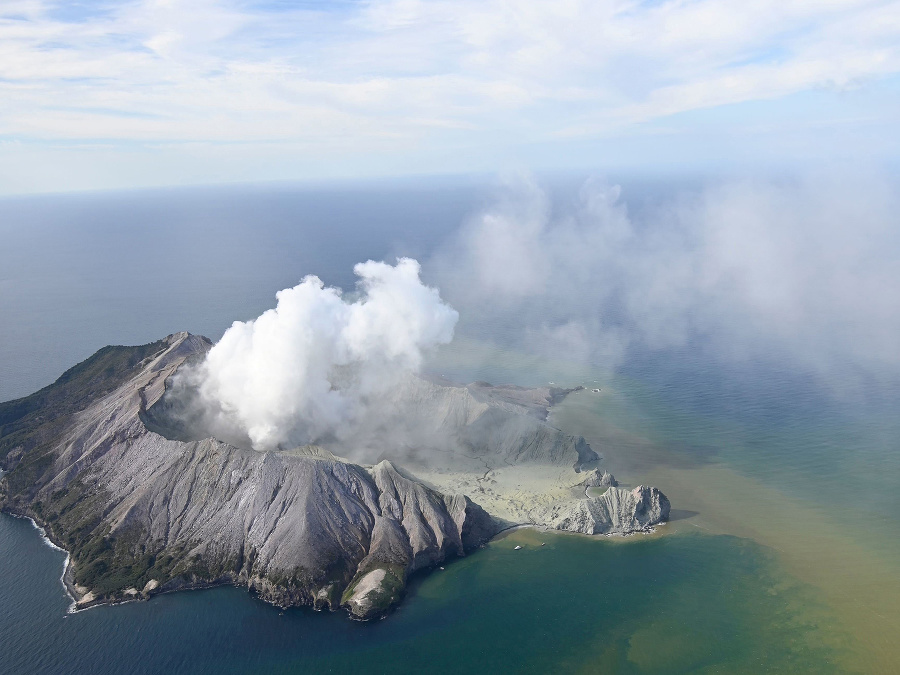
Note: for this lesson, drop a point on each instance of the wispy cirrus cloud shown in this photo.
(360, 79)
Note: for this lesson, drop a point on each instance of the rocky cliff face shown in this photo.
(616, 511)
(144, 507)
(142, 514)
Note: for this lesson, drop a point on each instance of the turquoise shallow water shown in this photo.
(675, 604)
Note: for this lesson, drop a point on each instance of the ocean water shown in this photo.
(689, 603)
(79, 272)
(783, 552)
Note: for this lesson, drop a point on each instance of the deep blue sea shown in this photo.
(784, 550)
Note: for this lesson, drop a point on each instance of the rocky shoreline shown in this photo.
(141, 514)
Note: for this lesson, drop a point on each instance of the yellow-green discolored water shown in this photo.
(808, 471)
(850, 560)
(689, 603)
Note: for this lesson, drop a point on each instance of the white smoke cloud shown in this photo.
(307, 369)
(806, 270)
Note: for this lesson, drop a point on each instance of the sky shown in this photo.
(109, 95)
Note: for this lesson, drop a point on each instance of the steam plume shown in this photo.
(305, 370)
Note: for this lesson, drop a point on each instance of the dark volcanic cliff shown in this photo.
(141, 514)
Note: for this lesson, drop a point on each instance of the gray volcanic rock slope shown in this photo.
(505, 425)
(141, 513)
(616, 510)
